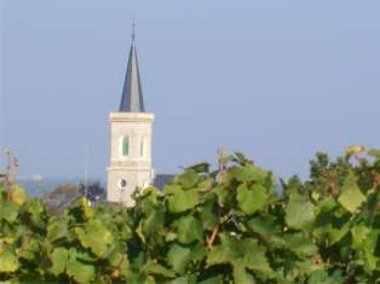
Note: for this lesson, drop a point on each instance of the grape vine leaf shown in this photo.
(351, 197)
(189, 229)
(9, 211)
(179, 257)
(155, 268)
(188, 179)
(181, 200)
(251, 200)
(18, 194)
(79, 270)
(8, 261)
(96, 236)
(59, 259)
(57, 229)
(299, 211)
(243, 253)
(247, 173)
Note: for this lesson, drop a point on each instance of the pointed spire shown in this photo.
(132, 97)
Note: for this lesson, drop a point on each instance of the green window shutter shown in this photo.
(126, 146)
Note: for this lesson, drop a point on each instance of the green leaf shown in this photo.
(189, 229)
(326, 205)
(116, 255)
(371, 251)
(251, 200)
(240, 158)
(152, 193)
(59, 259)
(8, 261)
(153, 222)
(300, 243)
(198, 252)
(58, 229)
(77, 268)
(18, 194)
(170, 189)
(30, 249)
(359, 234)
(299, 211)
(179, 257)
(95, 236)
(205, 185)
(135, 278)
(182, 200)
(188, 179)
(124, 267)
(247, 173)
(264, 226)
(35, 210)
(245, 253)
(212, 280)
(200, 168)
(304, 266)
(158, 269)
(322, 276)
(351, 197)
(225, 196)
(9, 211)
(255, 256)
(209, 218)
(241, 275)
(170, 236)
(335, 234)
(182, 280)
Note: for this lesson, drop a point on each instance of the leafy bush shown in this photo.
(226, 226)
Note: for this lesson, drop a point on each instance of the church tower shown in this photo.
(131, 139)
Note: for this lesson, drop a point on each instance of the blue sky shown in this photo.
(277, 80)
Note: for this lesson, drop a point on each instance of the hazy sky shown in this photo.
(277, 80)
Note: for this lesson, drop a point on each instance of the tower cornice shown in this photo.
(131, 116)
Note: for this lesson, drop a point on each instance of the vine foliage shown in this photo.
(225, 226)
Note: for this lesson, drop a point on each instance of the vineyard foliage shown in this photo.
(225, 226)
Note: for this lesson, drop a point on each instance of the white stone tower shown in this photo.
(131, 139)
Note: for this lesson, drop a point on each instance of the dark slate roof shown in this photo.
(161, 180)
(132, 96)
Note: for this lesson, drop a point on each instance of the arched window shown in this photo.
(142, 146)
(125, 146)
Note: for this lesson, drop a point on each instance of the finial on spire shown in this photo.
(133, 29)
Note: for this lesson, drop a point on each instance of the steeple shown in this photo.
(131, 137)
(132, 96)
